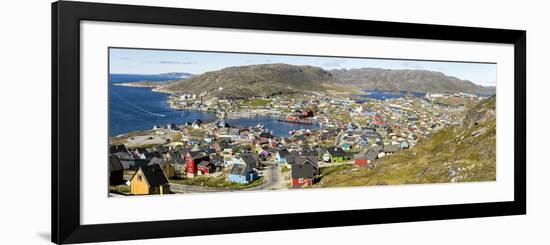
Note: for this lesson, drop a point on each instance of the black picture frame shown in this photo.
(65, 200)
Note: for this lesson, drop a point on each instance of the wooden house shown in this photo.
(149, 180)
(116, 171)
(302, 175)
(391, 148)
(218, 161)
(193, 158)
(366, 158)
(117, 148)
(308, 160)
(166, 166)
(248, 159)
(126, 159)
(205, 167)
(335, 154)
(243, 173)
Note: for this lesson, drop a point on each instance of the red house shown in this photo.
(302, 175)
(192, 159)
(205, 167)
(365, 159)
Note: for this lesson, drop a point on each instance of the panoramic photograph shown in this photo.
(183, 122)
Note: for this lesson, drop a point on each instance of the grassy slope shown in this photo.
(451, 155)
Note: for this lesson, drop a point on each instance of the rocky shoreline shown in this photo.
(141, 84)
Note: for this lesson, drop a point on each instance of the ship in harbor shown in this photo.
(301, 117)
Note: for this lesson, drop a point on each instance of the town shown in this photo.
(338, 129)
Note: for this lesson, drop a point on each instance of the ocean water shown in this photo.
(133, 109)
(276, 127)
(383, 95)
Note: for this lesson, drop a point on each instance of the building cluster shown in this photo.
(351, 131)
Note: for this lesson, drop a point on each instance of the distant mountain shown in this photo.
(456, 154)
(407, 80)
(177, 74)
(272, 79)
(258, 80)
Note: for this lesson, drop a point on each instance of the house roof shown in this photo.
(224, 144)
(302, 171)
(249, 160)
(114, 164)
(207, 150)
(239, 169)
(152, 154)
(154, 175)
(197, 154)
(310, 152)
(368, 155)
(204, 163)
(336, 151)
(377, 148)
(117, 148)
(391, 148)
(216, 158)
(157, 160)
(371, 155)
(291, 157)
(123, 155)
(174, 155)
(307, 159)
(283, 153)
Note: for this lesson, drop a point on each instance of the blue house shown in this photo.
(349, 127)
(404, 145)
(240, 173)
(362, 142)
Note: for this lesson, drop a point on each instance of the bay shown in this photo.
(137, 109)
(133, 108)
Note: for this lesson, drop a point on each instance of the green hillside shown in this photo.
(455, 154)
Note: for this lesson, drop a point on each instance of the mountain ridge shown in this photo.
(257, 80)
(272, 79)
(407, 80)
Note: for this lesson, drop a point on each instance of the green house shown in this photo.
(335, 154)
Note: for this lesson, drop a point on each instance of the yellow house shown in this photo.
(148, 180)
(169, 170)
(167, 167)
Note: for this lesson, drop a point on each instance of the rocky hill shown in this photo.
(456, 154)
(407, 80)
(177, 74)
(258, 80)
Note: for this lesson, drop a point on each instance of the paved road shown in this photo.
(177, 188)
(273, 178)
(339, 137)
(271, 174)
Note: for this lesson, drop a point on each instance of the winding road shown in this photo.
(271, 174)
(273, 178)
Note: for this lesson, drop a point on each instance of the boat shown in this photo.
(298, 121)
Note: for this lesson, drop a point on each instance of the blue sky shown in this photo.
(143, 61)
